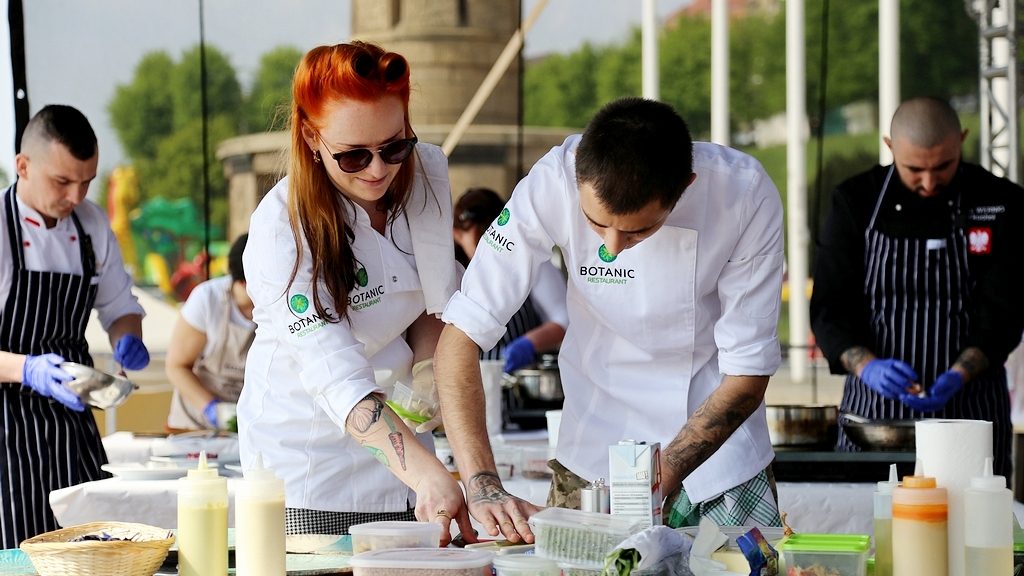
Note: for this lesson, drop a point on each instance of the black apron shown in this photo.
(919, 294)
(524, 320)
(46, 445)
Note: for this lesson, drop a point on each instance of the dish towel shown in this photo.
(429, 211)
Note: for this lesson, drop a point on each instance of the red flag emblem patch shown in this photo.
(979, 240)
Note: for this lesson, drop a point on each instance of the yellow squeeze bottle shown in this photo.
(883, 523)
(202, 535)
(259, 522)
(920, 515)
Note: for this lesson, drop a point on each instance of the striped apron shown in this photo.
(919, 294)
(46, 446)
(524, 320)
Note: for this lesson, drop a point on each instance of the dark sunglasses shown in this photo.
(358, 159)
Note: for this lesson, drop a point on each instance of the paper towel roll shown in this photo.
(952, 451)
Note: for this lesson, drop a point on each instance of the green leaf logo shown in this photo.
(605, 255)
(504, 216)
(362, 277)
(298, 303)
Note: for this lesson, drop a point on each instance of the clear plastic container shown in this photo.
(413, 405)
(525, 565)
(833, 554)
(508, 459)
(394, 534)
(582, 539)
(422, 562)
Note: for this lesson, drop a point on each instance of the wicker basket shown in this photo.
(53, 554)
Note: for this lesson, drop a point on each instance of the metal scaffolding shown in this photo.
(998, 89)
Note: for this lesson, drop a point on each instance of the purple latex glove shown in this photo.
(131, 353)
(44, 375)
(946, 385)
(889, 377)
(518, 353)
(210, 412)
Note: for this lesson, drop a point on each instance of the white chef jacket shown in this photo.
(548, 295)
(303, 376)
(56, 250)
(653, 329)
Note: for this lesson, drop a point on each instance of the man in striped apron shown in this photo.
(917, 281)
(58, 260)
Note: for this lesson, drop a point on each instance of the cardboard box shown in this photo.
(634, 470)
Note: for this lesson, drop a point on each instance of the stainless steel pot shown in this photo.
(880, 435)
(802, 424)
(541, 382)
(97, 388)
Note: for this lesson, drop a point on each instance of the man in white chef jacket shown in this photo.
(674, 252)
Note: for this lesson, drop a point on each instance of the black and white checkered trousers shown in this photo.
(304, 521)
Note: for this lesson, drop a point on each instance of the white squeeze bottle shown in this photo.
(202, 535)
(259, 522)
(883, 523)
(920, 512)
(988, 528)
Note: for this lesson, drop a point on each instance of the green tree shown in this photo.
(266, 108)
(141, 111)
(223, 92)
(685, 71)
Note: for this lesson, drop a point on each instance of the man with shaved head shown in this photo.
(58, 260)
(917, 281)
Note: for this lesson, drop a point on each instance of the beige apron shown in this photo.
(222, 371)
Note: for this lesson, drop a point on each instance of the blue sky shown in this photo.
(86, 48)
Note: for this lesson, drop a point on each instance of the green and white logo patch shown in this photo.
(362, 278)
(605, 255)
(504, 217)
(298, 303)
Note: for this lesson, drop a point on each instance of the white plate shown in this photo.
(145, 472)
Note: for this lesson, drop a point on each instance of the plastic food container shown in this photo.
(581, 539)
(833, 554)
(508, 460)
(525, 565)
(422, 562)
(394, 534)
(412, 405)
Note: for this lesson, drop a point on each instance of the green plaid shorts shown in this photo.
(753, 502)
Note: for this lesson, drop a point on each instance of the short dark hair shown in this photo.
(477, 207)
(635, 151)
(235, 258)
(66, 125)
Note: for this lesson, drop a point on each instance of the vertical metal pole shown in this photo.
(796, 189)
(888, 71)
(998, 89)
(720, 72)
(649, 49)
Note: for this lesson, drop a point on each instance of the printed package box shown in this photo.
(635, 472)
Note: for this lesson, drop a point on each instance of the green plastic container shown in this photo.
(842, 554)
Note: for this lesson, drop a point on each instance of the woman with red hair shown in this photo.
(349, 262)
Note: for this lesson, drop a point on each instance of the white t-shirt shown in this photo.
(205, 307)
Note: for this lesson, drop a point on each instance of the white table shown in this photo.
(126, 447)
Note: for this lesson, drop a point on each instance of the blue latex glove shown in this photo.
(945, 386)
(131, 353)
(888, 377)
(518, 353)
(44, 375)
(210, 412)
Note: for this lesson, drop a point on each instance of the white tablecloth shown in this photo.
(125, 447)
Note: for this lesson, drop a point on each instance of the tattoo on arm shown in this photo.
(853, 358)
(973, 361)
(485, 488)
(710, 426)
(366, 413)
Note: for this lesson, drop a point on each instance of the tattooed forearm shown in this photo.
(366, 413)
(973, 361)
(485, 487)
(396, 439)
(710, 426)
(854, 357)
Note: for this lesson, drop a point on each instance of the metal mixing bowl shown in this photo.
(97, 388)
(880, 435)
(802, 424)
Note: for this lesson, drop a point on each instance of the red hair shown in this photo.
(354, 71)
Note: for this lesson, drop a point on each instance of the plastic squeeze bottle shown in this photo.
(202, 535)
(920, 512)
(988, 529)
(883, 523)
(259, 522)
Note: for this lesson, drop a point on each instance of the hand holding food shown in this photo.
(946, 385)
(889, 377)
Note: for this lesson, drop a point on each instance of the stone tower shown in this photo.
(450, 45)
